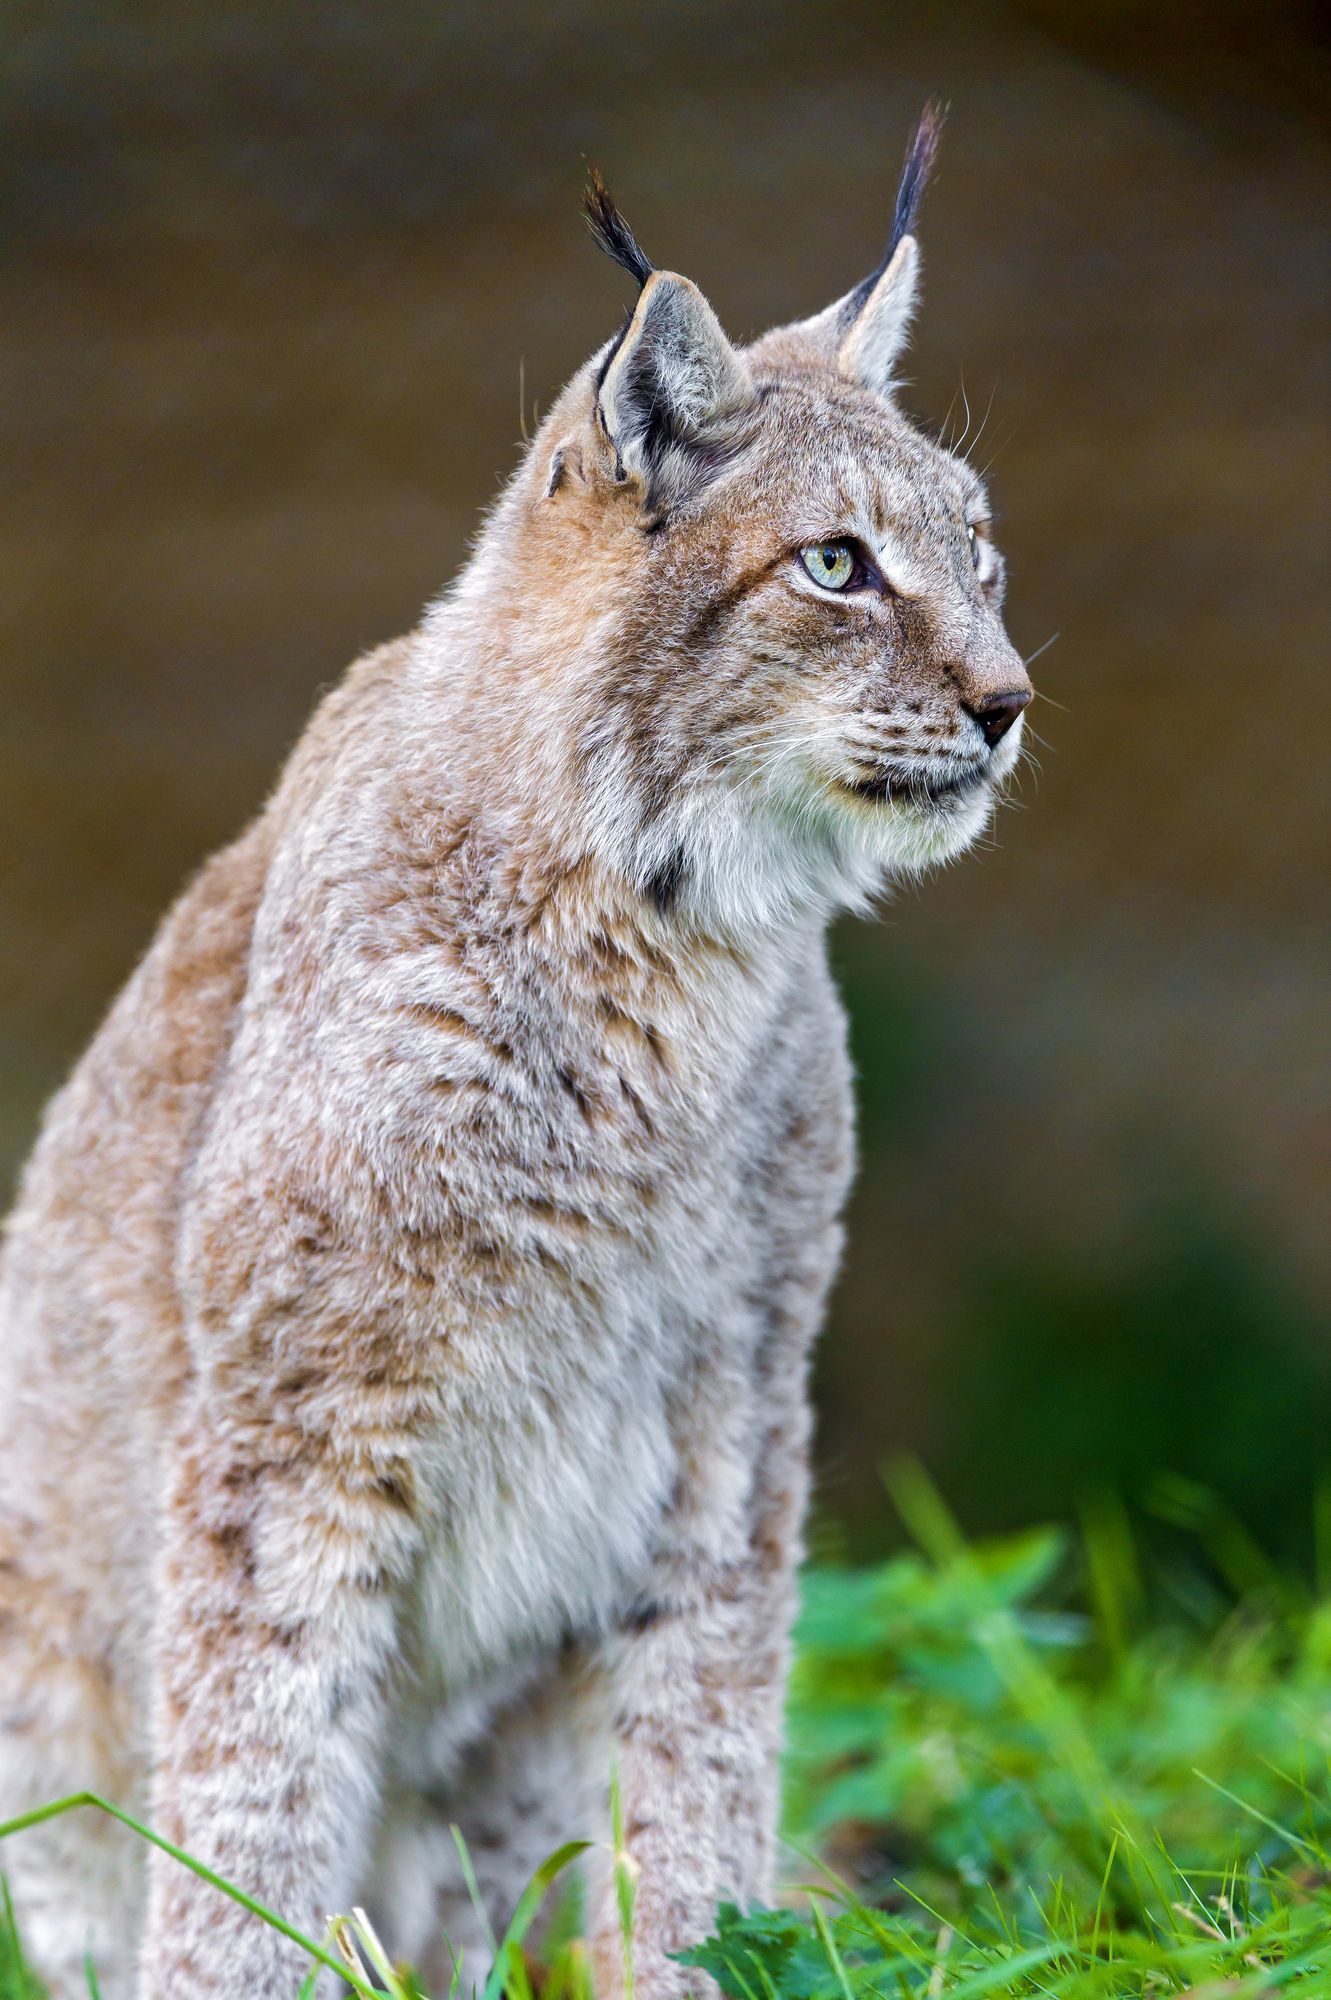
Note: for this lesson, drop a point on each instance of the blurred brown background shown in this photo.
(279, 283)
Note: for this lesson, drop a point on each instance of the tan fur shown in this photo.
(405, 1320)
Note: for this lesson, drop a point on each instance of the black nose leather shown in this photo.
(997, 713)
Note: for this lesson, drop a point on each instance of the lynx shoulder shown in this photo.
(405, 1319)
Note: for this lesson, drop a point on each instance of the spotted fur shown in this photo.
(405, 1320)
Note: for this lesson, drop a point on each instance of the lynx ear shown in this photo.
(868, 352)
(670, 387)
(671, 383)
(865, 331)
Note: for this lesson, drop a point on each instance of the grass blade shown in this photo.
(77, 1800)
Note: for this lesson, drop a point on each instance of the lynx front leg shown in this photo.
(697, 1698)
(698, 1678)
(697, 1687)
(284, 1550)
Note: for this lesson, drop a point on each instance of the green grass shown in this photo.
(1038, 1766)
(1048, 1773)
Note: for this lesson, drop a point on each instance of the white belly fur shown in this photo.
(547, 1525)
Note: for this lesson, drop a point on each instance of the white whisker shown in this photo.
(1032, 657)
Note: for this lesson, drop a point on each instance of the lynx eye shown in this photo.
(830, 564)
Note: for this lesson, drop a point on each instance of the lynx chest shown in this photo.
(610, 1385)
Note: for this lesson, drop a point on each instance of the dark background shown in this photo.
(279, 283)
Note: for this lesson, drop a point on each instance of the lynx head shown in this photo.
(795, 681)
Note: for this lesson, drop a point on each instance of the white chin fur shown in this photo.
(909, 839)
(758, 864)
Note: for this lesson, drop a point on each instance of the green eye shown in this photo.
(831, 564)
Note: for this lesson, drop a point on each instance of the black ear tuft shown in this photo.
(915, 173)
(910, 191)
(611, 231)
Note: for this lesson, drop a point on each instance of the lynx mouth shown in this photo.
(894, 786)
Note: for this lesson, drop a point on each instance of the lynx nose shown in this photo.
(997, 713)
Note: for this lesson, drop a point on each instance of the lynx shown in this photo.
(405, 1319)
